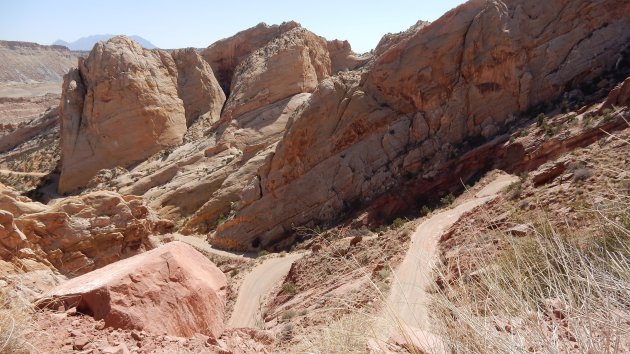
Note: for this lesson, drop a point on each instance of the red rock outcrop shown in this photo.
(292, 63)
(425, 101)
(172, 290)
(226, 54)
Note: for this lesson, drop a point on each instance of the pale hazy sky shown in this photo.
(197, 23)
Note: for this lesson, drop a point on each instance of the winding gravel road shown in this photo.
(255, 287)
(407, 300)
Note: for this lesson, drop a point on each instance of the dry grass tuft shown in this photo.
(15, 321)
(549, 293)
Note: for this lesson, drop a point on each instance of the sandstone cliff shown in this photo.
(297, 146)
(424, 101)
(290, 64)
(226, 54)
(119, 85)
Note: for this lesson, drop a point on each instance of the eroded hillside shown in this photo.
(159, 173)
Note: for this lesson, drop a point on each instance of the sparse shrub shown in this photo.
(607, 114)
(565, 103)
(289, 288)
(447, 199)
(286, 333)
(262, 253)
(549, 130)
(540, 119)
(381, 229)
(581, 174)
(384, 273)
(425, 210)
(287, 315)
(523, 132)
(15, 321)
(398, 223)
(220, 220)
(515, 189)
(543, 293)
(586, 121)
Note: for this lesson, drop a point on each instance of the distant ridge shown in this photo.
(86, 43)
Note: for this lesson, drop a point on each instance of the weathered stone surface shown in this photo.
(76, 234)
(199, 90)
(425, 101)
(343, 58)
(292, 63)
(225, 55)
(119, 107)
(27, 130)
(619, 96)
(172, 289)
(497, 58)
(391, 39)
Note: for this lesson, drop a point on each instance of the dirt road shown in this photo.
(407, 300)
(18, 173)
(255, 287)
(203, 245)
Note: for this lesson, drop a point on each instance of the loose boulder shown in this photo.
(172, 289)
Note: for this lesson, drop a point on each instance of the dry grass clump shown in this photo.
(15, 322)
(546, 293)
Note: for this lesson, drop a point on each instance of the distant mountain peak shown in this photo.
(86, 43)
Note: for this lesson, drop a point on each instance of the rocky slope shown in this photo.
(73, 236)
(408, 116)
(25, 62)
(423, 103)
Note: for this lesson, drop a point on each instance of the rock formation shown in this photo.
(77, 234)
(199, 90)
(342, 57)
(423, 102)
(226, 54)
(172, 290)
(122, 84)
(297, 146)
(292, 63)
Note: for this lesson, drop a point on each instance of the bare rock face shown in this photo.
(392, 39)
(422, 103)
(619, 96)
(172, 290)
(119, 107)
(225, 55)
(76, 234)
(199, 90)
(293, 63)
(497, 58)
(125, 103)
(342, 57)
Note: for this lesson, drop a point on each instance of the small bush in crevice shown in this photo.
(447, 199)
(289, 288)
